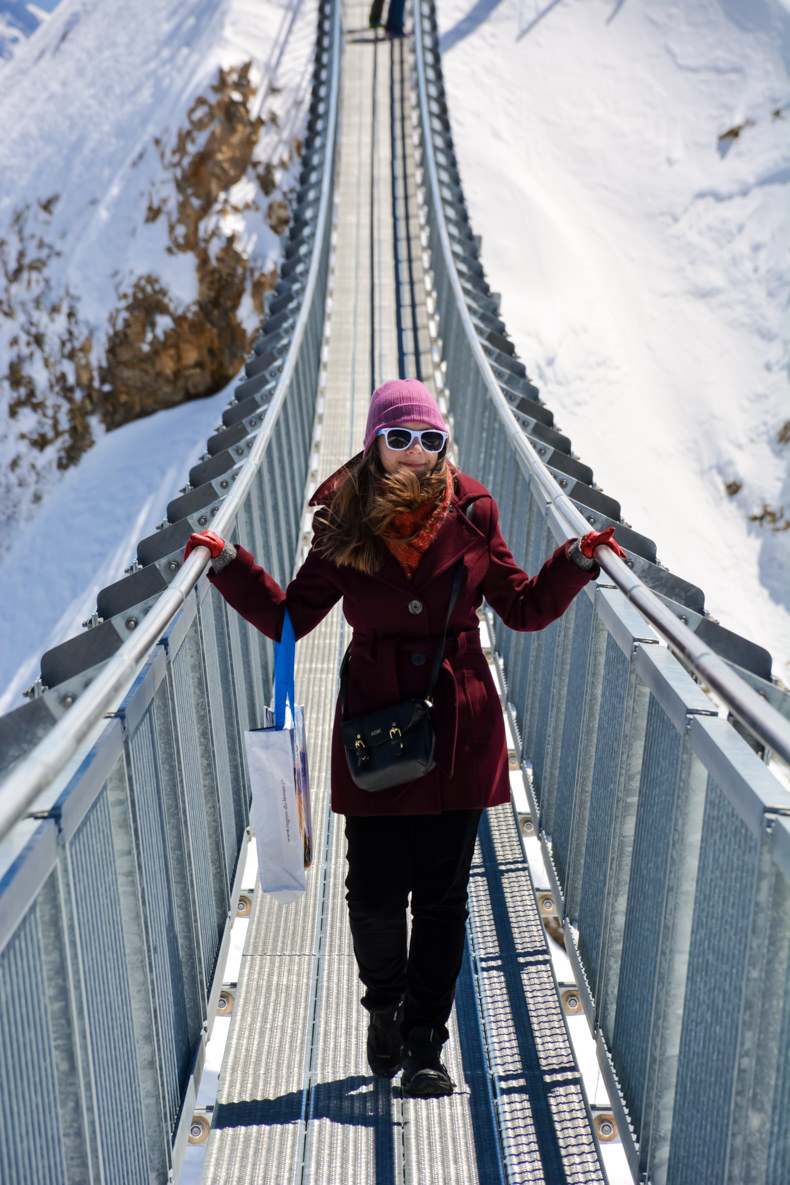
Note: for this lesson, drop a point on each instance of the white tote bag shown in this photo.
(280, 782)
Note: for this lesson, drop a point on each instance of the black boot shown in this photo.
(424, 1076)
(385, 1042)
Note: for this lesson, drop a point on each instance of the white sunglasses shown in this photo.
(398, 439)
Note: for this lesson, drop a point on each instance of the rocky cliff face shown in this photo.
(67, 374)
(159, 353)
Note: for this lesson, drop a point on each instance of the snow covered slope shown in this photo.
(627, 165)
(125, 231)
(144, 165)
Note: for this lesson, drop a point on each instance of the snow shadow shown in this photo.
(760, 16)
(537, 19)
(476, 16)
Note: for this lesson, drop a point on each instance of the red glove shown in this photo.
(594, 539)
(208, 539)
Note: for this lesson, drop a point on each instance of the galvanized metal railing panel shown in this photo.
(111, 1063)
(28, 1078)
(665, 835)
(726, 1015)
(765, 1116)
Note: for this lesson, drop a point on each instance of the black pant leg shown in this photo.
(377, 892)
(443, 853)
(395, 14)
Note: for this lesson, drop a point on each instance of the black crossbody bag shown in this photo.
(395, 744)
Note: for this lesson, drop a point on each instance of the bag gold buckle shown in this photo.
(361, 750)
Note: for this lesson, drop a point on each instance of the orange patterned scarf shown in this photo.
(426, 522)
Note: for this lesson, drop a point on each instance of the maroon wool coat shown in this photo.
(397, 626)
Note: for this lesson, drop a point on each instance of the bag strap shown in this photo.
(458, 574)
(284, 659)
(457, 578)
(439, 657)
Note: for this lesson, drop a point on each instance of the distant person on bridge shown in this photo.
(395, 15)
(394, 529)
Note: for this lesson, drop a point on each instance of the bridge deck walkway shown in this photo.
(296, 1101)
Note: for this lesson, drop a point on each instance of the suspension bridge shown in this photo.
(639, 886)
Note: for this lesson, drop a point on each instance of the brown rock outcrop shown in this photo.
(157, 351)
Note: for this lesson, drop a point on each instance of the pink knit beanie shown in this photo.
(399, 401)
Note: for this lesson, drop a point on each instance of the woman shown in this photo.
(389, 532)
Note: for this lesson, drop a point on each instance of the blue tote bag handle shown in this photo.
(279, 781)
(284, 657)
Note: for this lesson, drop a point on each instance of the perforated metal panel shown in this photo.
(30, 1130)
(104, 975)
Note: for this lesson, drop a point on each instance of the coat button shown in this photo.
(415, 607)
(418, 659)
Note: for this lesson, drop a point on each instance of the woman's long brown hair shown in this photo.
(363, 507)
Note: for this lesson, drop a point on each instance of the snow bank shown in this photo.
(637, 156)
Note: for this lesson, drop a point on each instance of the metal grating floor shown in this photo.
(296, 1101)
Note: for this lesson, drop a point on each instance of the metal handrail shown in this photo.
(38, 769)
(759, 717)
